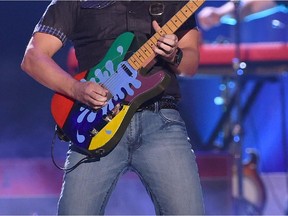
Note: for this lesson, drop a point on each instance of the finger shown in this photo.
(156, 26)
(98, 97)
(168, 42)
(167, 49)
(96, 103)
(98, 90)
(101, 90)
(159, 51)
(170, 39)
(100, 94)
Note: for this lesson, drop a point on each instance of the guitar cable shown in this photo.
(83, 160)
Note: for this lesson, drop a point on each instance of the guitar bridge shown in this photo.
(108, 118)
(94, 132)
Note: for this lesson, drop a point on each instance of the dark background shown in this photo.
(26, 123)
(27, 127)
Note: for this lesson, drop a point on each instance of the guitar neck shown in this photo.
(145, 54)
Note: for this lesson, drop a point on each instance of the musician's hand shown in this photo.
(91, 94)
(209, 17)
(167, 45)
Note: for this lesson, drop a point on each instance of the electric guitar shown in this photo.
(254, 198)
(97, 132)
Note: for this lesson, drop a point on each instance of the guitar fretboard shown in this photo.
(145, 52)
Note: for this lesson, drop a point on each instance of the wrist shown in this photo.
(177, 58)
(73, 88)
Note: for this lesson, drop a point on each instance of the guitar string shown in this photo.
(111, 82)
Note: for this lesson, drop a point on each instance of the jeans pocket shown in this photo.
(171, 116)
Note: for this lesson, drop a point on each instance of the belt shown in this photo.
(164, 103)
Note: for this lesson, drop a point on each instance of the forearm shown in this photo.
(189, 63)
(43, 68)
(189, 44)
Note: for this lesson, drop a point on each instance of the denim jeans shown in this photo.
(155, 146)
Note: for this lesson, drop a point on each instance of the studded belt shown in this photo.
(164, 103)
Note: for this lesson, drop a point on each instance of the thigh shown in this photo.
(87, 188)
(166, 164)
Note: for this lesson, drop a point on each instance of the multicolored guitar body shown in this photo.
(97, 132)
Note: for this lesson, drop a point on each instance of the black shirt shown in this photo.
(92, 26)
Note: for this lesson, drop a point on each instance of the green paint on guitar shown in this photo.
(116, 53)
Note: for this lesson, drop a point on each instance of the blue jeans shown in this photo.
(155, 146)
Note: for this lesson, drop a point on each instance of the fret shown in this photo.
(139, 56)
(153, 41)
(161, 32)
(182, 16)
(157, 35)
(148, 49)
(133, 64)
(178, 18)
(167, 29)
(133, 60)
(171, 26)
(188, 9)
(150, 43)
(143, 53)
(176, 23)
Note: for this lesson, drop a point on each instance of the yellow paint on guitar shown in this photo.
(109, 130)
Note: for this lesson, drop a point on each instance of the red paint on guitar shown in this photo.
(62, 105)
